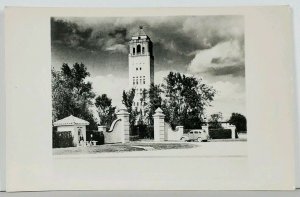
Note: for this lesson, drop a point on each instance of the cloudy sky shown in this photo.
(209, 47)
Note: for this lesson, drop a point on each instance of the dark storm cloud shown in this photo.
(70, 34)
(177, 40)
(235, 71)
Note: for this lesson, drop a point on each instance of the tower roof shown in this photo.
(70, 120)
(140, 32)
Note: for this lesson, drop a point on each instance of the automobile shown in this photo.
(197, 135)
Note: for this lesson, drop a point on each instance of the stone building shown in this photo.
(141, 65)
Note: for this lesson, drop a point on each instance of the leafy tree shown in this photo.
(155, 101)
(185, 100)
(142, 113)
(239, 121)
(105, 110)
(127, 100)
(215, 120)
(71, 94)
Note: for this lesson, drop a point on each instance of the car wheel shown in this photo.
(199, 139)
(183, 139)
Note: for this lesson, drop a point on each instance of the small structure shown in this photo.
(119, 129)
(231, 127)
(75, 125)
(205, 128)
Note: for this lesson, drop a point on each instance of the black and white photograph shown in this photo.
(166, 98)
(161, 85)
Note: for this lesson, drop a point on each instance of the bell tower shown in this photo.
(141, 65)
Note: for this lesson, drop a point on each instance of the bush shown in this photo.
(134, 138)
(186, 130)
(95, 136)
(62, 139)
(143, 131)
(221, 134)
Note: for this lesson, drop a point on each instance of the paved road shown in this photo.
(210, 165)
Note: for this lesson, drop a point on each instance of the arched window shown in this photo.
(143, 50)
(138, 49)
(133, 51)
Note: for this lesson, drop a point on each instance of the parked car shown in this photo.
(198, 135)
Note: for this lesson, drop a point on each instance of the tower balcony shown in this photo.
(139, 54)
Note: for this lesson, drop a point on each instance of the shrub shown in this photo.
(134, 138)
(95, 136)
(221, 134)
(62, 139)
(143, 131)
(186, 130)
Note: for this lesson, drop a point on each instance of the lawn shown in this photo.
(162, 146)
(131, 146)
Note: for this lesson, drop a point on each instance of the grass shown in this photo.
(120, 148)
(162, 146)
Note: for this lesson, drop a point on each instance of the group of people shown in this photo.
(82, 142)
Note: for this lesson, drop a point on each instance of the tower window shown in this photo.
(143, 50)
(137, 103)
(140, 68)
(138, 49)
(133, 51)
(137, 81)
(137, 68)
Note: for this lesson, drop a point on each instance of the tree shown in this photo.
(105, 110)
(215, 120)
(185, 100)
(127, 100)
(154, 101)
(71, 94)
(239, 121)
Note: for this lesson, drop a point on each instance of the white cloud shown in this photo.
(222, 55)
(160, 75)
(117, 48)
(230, 97)
(111, 85)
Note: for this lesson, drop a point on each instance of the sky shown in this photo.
(207, 47)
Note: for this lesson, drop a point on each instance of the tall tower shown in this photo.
(141, 65)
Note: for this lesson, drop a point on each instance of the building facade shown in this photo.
(141, 66)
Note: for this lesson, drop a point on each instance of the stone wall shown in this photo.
(119, 129)
(173, 135)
